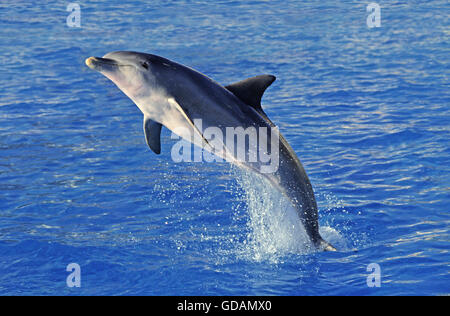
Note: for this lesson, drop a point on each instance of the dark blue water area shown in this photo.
(367, 110)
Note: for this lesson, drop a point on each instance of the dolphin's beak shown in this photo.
(90, 62)
(98, 63)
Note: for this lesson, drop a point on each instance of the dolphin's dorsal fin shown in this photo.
(152, 132)
(251, 90)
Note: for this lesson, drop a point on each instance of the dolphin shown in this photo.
(175, 96)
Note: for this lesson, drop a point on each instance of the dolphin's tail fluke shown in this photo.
(325, 246)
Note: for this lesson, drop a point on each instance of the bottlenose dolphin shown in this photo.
(172, 95)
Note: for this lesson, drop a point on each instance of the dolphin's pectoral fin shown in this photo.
(152, 132)
(205, 143)
(251, 90)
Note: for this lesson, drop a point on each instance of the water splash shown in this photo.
(273, 227)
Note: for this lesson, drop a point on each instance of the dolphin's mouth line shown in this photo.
(92, 62)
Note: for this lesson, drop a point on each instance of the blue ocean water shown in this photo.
(366, 109)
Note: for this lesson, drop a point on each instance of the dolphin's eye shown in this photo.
(144, 64)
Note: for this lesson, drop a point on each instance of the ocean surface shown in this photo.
(367, 110)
